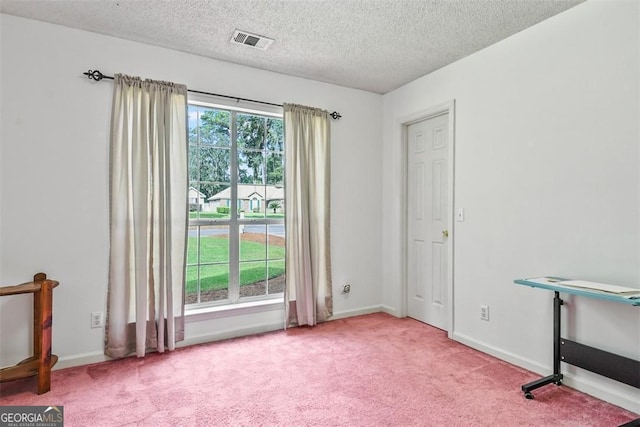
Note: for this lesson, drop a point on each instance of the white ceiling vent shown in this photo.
(252, 40)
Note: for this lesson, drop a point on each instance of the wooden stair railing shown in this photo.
(42, 361)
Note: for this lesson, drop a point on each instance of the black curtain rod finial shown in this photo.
(335, 115)
(95, 75)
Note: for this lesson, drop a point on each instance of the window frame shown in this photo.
(234, 222)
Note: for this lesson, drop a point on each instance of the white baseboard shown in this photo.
(231, 333)
(391, 310)
(499, 353)
(628, 401)
(80, 359)
(357, 312)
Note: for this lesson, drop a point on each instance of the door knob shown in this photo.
(445, 233)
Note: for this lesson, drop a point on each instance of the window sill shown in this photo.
(229, 310)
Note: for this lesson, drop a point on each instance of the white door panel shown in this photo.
(427, 209)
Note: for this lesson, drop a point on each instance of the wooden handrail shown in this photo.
(28, 287)
(42, 361)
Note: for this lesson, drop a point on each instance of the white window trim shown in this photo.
(199, 314)
(233, 305)
(241, 106)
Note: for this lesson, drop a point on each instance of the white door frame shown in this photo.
(448, 107)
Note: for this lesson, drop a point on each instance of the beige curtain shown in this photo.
(148, 192)
(308, 294)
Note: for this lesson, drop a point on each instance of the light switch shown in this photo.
(460, 215)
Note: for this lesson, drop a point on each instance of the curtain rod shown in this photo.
(97, 76)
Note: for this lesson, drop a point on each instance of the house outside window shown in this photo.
(196, 200)
(236, 159)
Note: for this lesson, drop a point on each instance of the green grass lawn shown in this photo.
(216, 215)
(256, 259)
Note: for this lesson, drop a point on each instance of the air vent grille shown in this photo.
(251, 40)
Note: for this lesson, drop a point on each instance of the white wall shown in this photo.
(54, 147)
(547, 169)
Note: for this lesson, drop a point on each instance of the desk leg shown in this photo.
(556, 377)
(557, 304)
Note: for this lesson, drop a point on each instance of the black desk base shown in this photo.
(556, 377)
(610, 365)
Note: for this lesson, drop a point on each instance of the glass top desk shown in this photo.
(610, 365)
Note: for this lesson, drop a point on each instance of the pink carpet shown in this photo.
(373, 370)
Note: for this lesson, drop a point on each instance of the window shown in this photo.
(236, 235)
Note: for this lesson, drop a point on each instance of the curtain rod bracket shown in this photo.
(97, 76)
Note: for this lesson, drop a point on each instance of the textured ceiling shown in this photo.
(374, 45)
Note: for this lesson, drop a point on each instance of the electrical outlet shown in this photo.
(346, 289)
(97, 319)
(484, 312)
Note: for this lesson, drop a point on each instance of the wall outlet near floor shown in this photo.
(346, 289)
(97, 319)
(484, 312)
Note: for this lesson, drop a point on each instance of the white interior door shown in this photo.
(427, 220)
